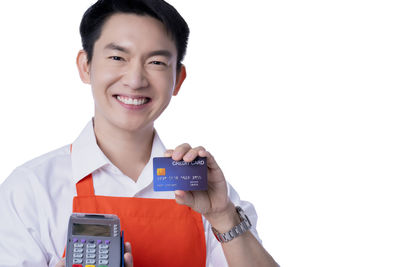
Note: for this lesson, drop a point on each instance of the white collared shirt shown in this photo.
(36, 201)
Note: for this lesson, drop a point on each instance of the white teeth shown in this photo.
(131, 101)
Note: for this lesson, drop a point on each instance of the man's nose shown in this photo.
(135, 76)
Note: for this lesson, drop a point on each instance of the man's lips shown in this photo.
(133, 100)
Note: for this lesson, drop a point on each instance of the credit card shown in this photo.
(171, 175)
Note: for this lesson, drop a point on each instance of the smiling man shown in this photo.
(132, 58)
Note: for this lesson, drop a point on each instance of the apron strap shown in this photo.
(85, 187)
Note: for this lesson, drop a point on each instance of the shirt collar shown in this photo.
(146, 177)
(86, 155)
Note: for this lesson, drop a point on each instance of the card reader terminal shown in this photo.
(94, 240)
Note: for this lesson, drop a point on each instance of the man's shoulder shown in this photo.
(42, 168)
(37, 193)
(48, 159)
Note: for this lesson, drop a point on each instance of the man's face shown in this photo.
(132, 72)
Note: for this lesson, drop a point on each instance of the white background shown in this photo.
(297, 100)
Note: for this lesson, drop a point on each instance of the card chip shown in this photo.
(161, 171)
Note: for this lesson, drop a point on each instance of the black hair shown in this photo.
(96, 16)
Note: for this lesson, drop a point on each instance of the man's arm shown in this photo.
(20, 243)
(218, 209)
(244, 250)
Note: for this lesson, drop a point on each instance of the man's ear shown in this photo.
(83, 66)
(181, 76)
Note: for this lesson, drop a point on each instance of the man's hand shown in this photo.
(214, 203)
(127, 257)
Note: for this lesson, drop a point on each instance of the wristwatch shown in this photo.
(237, 230)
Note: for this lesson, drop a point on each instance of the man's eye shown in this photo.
(158, 63)
(116, 58)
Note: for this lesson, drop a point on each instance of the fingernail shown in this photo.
(176, 156)
(179, 193)
(189, 156)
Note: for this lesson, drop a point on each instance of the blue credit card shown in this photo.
(171, 175)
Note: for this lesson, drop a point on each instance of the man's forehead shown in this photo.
(124, 32)
(132, 25)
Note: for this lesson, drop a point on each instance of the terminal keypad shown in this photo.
(88, 253)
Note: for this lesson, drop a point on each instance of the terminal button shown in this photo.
(90, 256)
(78, 250)
(91, 245)
(103, 250)
(103, 256)
(77, 261)
(91, 250)
(90, 261)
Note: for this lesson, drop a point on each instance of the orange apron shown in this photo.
(162, 232)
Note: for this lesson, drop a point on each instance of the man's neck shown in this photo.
(128, 151)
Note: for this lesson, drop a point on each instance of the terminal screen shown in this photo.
(91, 229)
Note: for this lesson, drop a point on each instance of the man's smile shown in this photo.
(132, 101)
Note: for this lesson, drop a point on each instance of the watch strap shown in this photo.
(237, 230)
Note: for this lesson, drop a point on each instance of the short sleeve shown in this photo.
(19, 228)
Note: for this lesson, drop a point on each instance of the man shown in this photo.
(132, 58)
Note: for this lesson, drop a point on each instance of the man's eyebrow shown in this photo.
(164, 53)
(112, 46)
